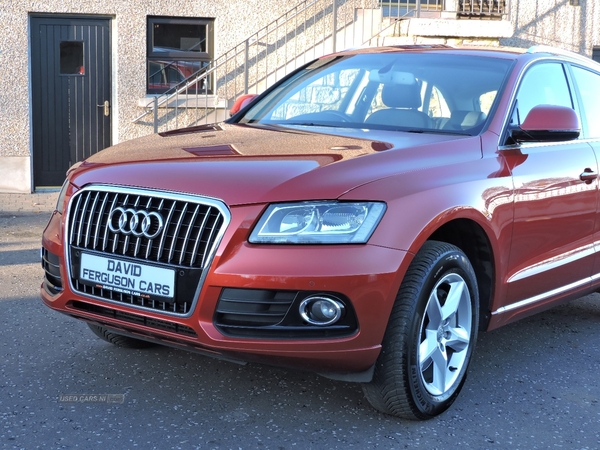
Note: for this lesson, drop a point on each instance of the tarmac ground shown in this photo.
(533, 384)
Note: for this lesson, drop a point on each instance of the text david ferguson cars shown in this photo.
(363, 218)
(127, 277)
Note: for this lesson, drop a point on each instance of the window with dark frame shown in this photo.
(177, 49)
(71, 58)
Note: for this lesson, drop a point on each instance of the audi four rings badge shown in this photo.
(128, 222)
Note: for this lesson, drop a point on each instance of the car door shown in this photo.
(555, 203)
(587, 83)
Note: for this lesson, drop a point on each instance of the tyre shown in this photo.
(118, 339)
(430, 336)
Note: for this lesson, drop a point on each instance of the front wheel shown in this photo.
(430, 336)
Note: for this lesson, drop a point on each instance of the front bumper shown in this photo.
(366, 276)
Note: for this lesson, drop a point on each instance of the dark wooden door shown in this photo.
(71, 111)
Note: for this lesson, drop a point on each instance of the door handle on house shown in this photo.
(106, 107)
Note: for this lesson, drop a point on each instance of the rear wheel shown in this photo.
(118, 339)
(430, 336)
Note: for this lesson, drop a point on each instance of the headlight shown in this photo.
(318, 223)
(60, 203)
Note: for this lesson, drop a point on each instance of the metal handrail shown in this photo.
(309, 30)
(433, 8)
(202, 74)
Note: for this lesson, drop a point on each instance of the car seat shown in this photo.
(403, 101)
(463, 120)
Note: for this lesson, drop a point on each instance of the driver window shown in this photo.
(543, 84)
(589, 87)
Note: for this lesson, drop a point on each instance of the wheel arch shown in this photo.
(472, 239)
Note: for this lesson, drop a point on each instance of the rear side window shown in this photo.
(543, 84)
(588, 84)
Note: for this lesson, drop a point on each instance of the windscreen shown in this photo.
(427, 92)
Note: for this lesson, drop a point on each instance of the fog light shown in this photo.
(322, 311)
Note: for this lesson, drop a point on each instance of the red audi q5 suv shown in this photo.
(363, 218)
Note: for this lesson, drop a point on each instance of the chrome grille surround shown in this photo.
(191, 233)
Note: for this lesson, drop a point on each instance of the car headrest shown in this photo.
(400, 89)
(401, 95)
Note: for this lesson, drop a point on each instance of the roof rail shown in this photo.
(422, 46)
(558, 51)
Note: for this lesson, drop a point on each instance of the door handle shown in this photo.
(588, 176)
(106, 107)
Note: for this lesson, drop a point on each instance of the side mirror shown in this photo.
(548, 123)
(241, 102)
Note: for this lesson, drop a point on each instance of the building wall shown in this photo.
(549, 22)
(234, 22)
(556, 23)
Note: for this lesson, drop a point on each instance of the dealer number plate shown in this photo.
(127, 277)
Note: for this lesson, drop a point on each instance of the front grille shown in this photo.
(184, 238)
(136, 319)
(189, 232)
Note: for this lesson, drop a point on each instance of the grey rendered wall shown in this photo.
(549, 22)
(234, 21)
(556, 23)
